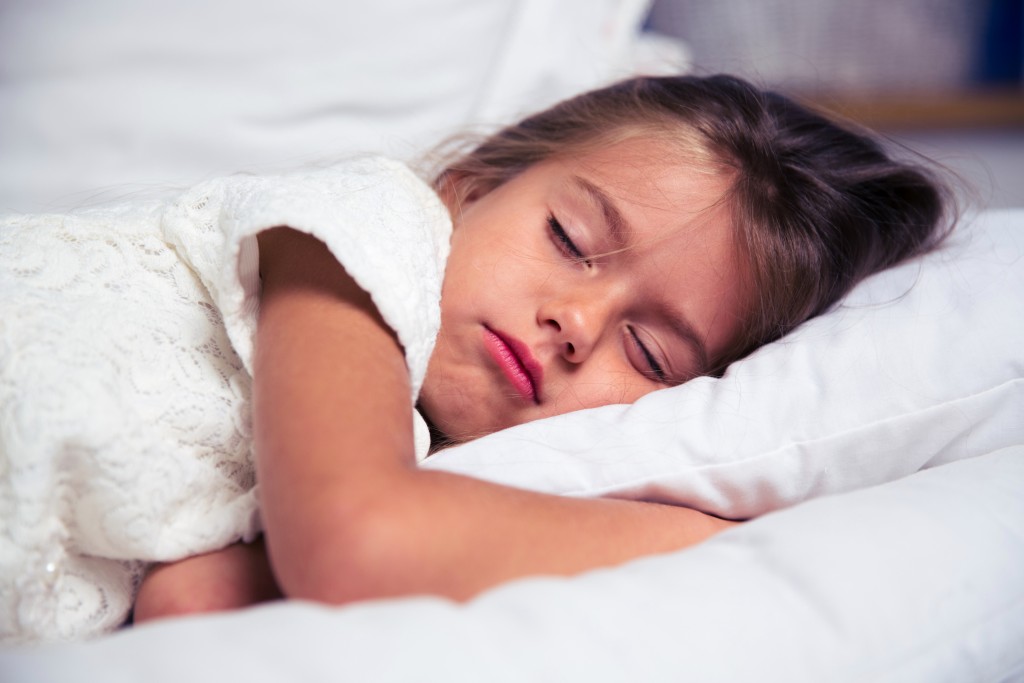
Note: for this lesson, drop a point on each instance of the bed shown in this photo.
(880, 448)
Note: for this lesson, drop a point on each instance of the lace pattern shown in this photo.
(125, 348)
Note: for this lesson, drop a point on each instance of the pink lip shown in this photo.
(516, 362)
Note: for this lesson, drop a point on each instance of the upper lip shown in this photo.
(530, 365)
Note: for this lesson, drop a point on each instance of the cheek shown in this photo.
(497, 290)
(467, 274)
(444, 398)
(600, 386)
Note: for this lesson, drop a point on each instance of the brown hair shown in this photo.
(817, 206)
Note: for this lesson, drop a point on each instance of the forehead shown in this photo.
(661, 185)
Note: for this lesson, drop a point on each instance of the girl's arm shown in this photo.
(234, 577)
(347, 513)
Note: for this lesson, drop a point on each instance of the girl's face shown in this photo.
(583, 282)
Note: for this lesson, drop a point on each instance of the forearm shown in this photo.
(231, 578)
(446, 534)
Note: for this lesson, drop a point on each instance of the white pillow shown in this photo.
(131, 95)
(921, 365)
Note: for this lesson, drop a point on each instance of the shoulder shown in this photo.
(389, 177)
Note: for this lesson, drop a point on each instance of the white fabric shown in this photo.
(921, 365)
(125, 368)
(117, 97)
(916, 581)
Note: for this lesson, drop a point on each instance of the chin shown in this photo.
(447, 427)
(455, 429)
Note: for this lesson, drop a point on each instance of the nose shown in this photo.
(576, 322)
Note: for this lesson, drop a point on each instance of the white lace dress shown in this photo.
(126, 340)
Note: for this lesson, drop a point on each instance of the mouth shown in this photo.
(516, 362)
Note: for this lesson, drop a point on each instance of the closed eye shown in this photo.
(563, 242)
(657, 372)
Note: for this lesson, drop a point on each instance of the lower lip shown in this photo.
(510, 365)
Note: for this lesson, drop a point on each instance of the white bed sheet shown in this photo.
(920, 579)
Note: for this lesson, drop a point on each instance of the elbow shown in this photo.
(371, 552)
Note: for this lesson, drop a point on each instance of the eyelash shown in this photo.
(656, 370)
(564, 242)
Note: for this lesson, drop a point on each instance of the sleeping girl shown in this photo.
(320, 331)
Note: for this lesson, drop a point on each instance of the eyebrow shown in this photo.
(621, 233)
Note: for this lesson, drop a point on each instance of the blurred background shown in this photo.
(943, 76)
(106, 98)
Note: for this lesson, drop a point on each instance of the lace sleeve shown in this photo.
(386, 226)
